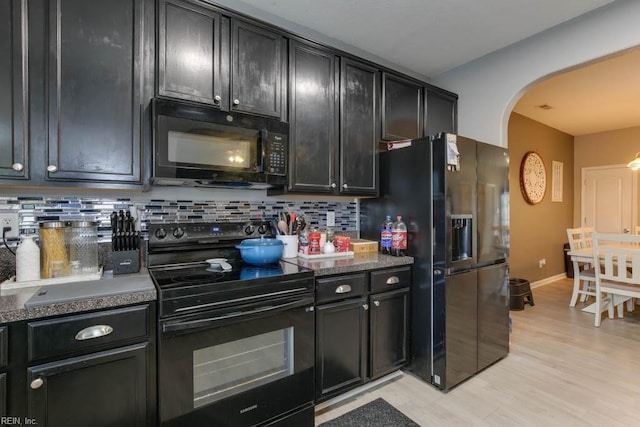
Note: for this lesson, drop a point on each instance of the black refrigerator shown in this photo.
(453, 194)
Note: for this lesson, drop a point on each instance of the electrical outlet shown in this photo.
(331, 219)
(542, 263)
(10, 219)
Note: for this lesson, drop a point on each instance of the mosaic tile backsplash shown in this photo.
(35, 209)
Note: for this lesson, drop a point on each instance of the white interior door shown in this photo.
(609, 199)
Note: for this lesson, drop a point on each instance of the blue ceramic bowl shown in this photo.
(261, 251)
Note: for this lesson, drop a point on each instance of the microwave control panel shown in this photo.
(275, 154)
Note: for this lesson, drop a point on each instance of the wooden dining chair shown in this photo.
(584, 276)
(617, 261)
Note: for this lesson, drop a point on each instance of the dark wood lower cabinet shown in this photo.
(362, 328)
(3, 394)
(340, 346)
(108, 388)
(388, 331)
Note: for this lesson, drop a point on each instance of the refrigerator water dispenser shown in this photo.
(461, 237)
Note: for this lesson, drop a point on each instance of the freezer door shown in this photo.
(493, 204)
(493, 314)
(461, 334)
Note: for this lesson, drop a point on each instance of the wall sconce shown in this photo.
(635, 163)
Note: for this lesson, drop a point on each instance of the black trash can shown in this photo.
(568, 265)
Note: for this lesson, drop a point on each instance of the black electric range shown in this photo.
(186, 283)
(235, 346)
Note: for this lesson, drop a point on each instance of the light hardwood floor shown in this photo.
(561, 371)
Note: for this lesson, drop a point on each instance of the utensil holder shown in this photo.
(126, 262)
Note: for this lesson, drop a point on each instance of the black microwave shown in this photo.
(198, 145)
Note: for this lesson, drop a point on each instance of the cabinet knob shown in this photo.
(376, 303)
(36, 384)
(365, 306)
(217, 99)
(333, 185)
(236, 102)
(345, 186)
(52, 168)
(17, 166)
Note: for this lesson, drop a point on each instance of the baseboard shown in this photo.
(548, 280)
(324, 406)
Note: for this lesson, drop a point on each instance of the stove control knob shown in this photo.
(161, 233)
(262, 229)
(249, 229)
(178, 233)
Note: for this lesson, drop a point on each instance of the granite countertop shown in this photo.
(360, 262)
(52, 300)
(109, 291)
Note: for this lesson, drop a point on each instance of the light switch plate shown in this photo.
(10, 219)
(331, 218)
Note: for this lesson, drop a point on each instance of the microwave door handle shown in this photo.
(262, 142)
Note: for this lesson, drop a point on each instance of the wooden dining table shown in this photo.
(585, 255)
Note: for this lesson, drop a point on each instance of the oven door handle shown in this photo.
(183, 325)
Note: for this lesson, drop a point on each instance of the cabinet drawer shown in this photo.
(340, 287)
(70, 334)
(386, 280)
(4, 346)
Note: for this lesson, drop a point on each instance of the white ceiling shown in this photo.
(598, 97)
(430, 37)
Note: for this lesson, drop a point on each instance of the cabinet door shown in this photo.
(94, 90)
(13, 90)
(441, 111)
(3, 394)
(341, 335)
(388, 331)
(401, 108)
(257, 69)
(313, 111)
(359, 128)
(101, 389)
(189, 65)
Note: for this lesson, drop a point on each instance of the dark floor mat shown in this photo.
(378, 413)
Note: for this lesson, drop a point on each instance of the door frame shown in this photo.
(634, 190)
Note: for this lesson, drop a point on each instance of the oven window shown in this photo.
(233, 367)
(211, 148)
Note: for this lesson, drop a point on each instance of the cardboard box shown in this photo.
(360, 246)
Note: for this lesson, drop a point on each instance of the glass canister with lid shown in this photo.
(53, 248)
(83, 246)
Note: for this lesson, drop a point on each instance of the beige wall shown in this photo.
(539, 231)
(600, 149)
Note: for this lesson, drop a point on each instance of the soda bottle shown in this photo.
(399, 237)
(385, 236)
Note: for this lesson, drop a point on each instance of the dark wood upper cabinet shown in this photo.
(313, 109)
(401, 108)
(359, 127)
(13, 90)
(257, 66)
(190, 65)
(441, 111)
(94, 85)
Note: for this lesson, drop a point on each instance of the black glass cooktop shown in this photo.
(203, 273)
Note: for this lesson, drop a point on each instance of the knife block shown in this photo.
(125, 262)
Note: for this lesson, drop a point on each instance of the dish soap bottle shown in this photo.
(27, 260)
